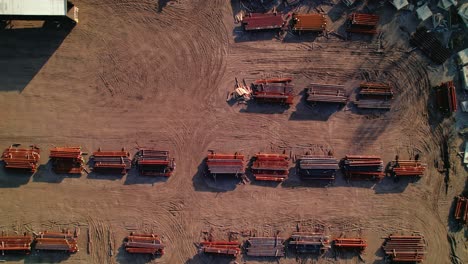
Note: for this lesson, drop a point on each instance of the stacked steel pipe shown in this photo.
(328, 93)
(15, 243)
(270, 167)
(376, 90)
(151, 162)
(61, 241)
(144, 244)
(363, 167)
(230, 164)
(18, 158)
(226, 248)
(111, 161)
(461, 209)
(305, 242)
(430, 45)
(309, 22)
(446, 97)
(312, 167)
(276, 90)
(362, 23)
(405, 248)
(265, 247)
(259, 21)
(350, 243)
(407, 168)
(67, 160)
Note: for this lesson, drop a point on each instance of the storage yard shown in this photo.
(341, 143)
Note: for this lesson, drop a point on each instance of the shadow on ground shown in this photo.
(203, 182)
(13, 178)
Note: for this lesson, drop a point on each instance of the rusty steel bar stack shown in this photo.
(18, 158)
(61, 241)
(111, 161)
(144, 244)
(265, 247)
(306, 242)
(276, 90)
(350, 243)
(270, 167)
(226, 248)
(16, 243)
(312, 167)
(362, 23)
(430, 45)
(259, 21)
(446, 97)
(328, 93)
(363, 167)
(226, 164)
(376, 90)
(152, 162)
(309, 22)
(407, 168)
(67, 160)
(405, 248)
(461, 209)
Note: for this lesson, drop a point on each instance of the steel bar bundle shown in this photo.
(446, 97)
(430, 45)
(362, 23)
(18, 158)
(311, 167)
(329, 93)
(62, 241)
(405, 248)
(363, 167)
(350, 243)
(373, 104)
(309, 22)
(265, 247)
(270, 167)
(15, 243)
(227, 248)
(376, 90)
(305, 242)
(277, 90)
(152, 162)
(67, 160)
(144, 244)
(259, 21)
(232, 164)
(461, 209)
(407, 168)
(111, 161)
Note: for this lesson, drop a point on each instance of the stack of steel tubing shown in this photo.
(405, 248)
(67, 160)
(350, 243)
(232, 164)
(151, 162)
(259, 21)
(309, 22)
(430, 45)
(407, 168)
(376, 90)
(144, 244)
(265, 247)
(270, 167)
(305, 242)
(461, 209)
(328, 93)
(363, 167)
(15, 243)
(446, 97)
(17, 158)
(373, 104)
(227, 248)
(111, 161)
(311, 167)
(63, 241)
(277, 90)
(362, 23)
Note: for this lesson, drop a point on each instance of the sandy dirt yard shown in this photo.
(134, 74)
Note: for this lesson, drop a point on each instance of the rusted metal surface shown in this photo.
(276, 90)
(259, 21)
(144, 244)
(230, 164)
(401, 168)
(405, 248)
(350, 243)
(328, 93)
(309, 22)
(60, 241)
(376, 90)
(309, 242)
(111, 161)
(16, 243)
(270, 167)
(446, 97)
(265, 247)
(317, 167)
(152, 162)
(226, 248)
(373, 104)
(19, 158)
(67, 160)
(362, 23)
(430, 45)
(461, 209)
(363, 167)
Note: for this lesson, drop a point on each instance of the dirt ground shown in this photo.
(134, 74)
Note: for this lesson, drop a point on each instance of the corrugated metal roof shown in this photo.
(33, 7)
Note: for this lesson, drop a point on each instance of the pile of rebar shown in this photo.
(18, 158)
(363, 167)
(306, 242)
(144, 244)
(111, 161)
(265, 247)
(430, 45)
(328, 93)
(446, 97)
(362, 23)
(312, 167)
(350, 243)
(226, 248)
(61, 241)
(230, 164)
(309, 22)
(152, 162)
(260, 21)
(270, 167)
(407, 168)
(461, 209)
(15, 243)
(67, 160)
(405, 248)
(375, 90)
(276, 90)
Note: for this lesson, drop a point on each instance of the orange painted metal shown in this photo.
(227, 248)
(111, 161)
(461, 209)
(16, 243)
(270, 167)
(18, 158)
(67, 160)
(144, 244)
(363, 167)
(309, 22)
(405, 248)
(229, 164)
(401, 168)
(275, 90)
(60, 241)
(362, 23)
(350, 243)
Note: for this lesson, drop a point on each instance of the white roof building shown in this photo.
(33, 7)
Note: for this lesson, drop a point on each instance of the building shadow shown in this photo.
(313, 112)
(46, 174)
(203, 182)
(13, 178)
(134, 177)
